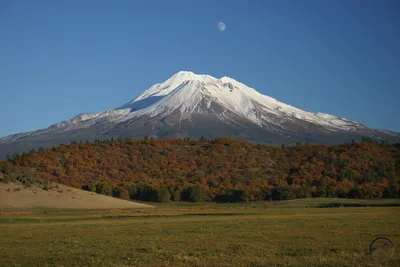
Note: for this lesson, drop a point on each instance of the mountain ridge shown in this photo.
(194, 105)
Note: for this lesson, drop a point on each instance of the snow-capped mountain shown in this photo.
(185, 92)
(189, 104)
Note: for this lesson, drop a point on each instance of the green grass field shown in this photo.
(290, 233)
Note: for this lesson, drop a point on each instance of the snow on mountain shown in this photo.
(110, 114)
(160, 90)
(87, 119)
(79, 121)
(189, 93)
(185, 91)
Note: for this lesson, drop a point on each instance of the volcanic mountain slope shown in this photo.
(195, 105)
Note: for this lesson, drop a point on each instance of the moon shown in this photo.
(221, 26)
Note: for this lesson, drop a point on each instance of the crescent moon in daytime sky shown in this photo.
(221, 26)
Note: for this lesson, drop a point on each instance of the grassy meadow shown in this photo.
(288, 233)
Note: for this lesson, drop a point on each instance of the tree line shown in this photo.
(223, 169)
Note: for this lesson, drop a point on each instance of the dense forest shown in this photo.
(223, 169)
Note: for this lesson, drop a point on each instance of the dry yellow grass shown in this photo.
(15, 196)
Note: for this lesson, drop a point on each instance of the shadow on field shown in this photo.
(340, 205)
(177, 215)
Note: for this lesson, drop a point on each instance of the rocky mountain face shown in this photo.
(193, 105)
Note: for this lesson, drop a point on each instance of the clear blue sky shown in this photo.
(60, 58)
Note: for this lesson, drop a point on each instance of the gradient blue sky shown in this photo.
(60, 58)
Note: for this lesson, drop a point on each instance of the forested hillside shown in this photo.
(219, 170)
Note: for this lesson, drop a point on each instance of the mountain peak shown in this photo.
(182, 76)
(184, 73)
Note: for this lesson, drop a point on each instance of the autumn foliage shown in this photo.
(219, 170)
